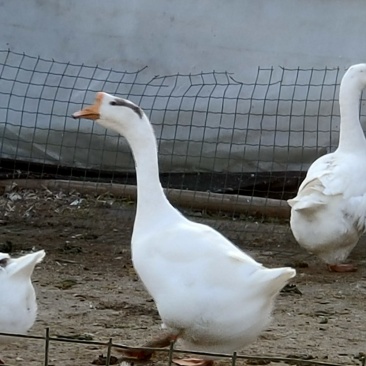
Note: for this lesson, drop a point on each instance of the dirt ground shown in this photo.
(87, 287)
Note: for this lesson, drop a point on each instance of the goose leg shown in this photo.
(144, 355)
(342, 267)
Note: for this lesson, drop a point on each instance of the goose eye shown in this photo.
(113, 102)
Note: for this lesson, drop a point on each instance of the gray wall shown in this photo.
(173, 36)
(170, 37)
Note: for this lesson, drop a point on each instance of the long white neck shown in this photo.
(351, 136)
(152, 205)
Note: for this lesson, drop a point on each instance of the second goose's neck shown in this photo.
(351, 135)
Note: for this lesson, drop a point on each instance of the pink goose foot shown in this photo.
(192, 362)
(342, 267)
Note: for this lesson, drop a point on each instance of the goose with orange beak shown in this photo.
(211, 296)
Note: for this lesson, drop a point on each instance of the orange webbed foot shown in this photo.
(193, 362)
(342, 267)
(144, 355)
(138, 354)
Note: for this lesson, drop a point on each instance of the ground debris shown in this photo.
(80, 337)
(66, 284)
(68, 248)
(257, 361)
(291, 288)
(305, 357)
(6, 247)
(117, 306)
(102, 360)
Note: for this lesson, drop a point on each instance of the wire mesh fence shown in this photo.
(169, 353)
(219, 138)
(204, 122)
(228, 149)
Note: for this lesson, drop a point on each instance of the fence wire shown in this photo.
(169, 352)
(228, 146)
(216, 134)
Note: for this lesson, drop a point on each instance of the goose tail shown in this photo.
(306, 204)
(24, 266)
(274, 279)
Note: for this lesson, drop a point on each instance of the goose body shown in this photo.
(328, 215)
(18, 305)
(210, 295)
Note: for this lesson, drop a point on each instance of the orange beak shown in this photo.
(91, 112)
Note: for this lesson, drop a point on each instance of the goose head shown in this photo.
(355, 78)
(112, 112)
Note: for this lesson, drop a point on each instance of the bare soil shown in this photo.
(88, 289)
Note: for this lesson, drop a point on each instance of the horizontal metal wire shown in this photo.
(110, 344)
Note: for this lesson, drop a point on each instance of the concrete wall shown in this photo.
(170, 37)
(173, 36)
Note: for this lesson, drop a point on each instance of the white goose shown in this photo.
(210, 295)
(328, 215)
(18, 305)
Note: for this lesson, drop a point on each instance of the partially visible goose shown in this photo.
(18, 305)
(328, 215)
(210, 295)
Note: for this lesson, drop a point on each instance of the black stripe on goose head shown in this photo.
(126, 103)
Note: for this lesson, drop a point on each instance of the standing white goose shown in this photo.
(210, 295)
(328, 215)
(18, 305)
